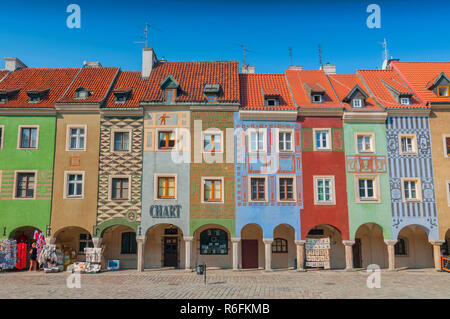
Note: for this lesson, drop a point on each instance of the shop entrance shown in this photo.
(249, 253)
(170, 252)
(357, 260)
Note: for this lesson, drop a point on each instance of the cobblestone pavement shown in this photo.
(224, 284)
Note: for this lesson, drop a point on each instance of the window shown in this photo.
(211, 98)
(120, 188)
(257, 140)
(447, 146)
(322, 139)
(74, 186)
(279, 245)
(2, 128)
(286, 188)
(85, 242)
(258, 189)
(364, 143)
(77, 138)
(443, 91)
(128, 245)
(366, 189)
(121, 141)
(28, 137)
(448, 192)
(411, 189)
(25, 185)
(166, 187)
(212, 190)
(170, 95)
(213, 242)
(285, 143)
(317, 98)
(357, 103)
(404, 100)
(166, 140)
(34, 99)
(82, 93)
(212, 142)
(408, 144)
(271, 102)
(324, 190)
(400, 247)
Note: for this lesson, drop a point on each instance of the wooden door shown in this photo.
(357, 257)
(249, 253)
(170, 252)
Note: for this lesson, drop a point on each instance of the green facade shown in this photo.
(371, 165)
(16, 213)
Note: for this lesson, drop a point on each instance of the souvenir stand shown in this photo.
(318, 253)
(48, 258)
(8, 254)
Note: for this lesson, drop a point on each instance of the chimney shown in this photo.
(148, 61)
(295, 67)
(329, 68)
(95, 64)
(12, 64)
(247, 68)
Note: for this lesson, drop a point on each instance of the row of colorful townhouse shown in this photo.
(185, 163)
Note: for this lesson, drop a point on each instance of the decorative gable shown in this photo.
(400, 93)
(271, 97)
(7, 94)
(316, 92)
(440, 85)
(35, 96)
(121, 95)
(169, 83)
(356, 97)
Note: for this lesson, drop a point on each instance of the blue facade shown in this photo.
(418, 165)
(271, 165)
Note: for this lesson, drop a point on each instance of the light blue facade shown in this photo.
(418, 165)
(271, 164)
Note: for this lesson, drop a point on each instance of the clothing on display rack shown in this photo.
(8, 257)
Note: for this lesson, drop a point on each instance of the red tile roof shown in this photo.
(343, 84)
(97, 80)
(35, 79)
(316, 80)
(419, 75)
(378, 82)
(127, 80)
(192, 77)
(254, 86)
(3, 73)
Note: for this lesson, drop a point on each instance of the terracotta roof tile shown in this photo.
(97, 80)
(192, 77)
(419, 75)
(253, 87)
(316, 80)
(127, 80)
(378, 81)
(33, 79)
(343, 84)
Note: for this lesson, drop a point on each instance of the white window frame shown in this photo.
(279, 131)
(407, 99)
(66, 184)
(418, 189)
(328, 139)
(376, 192)
(168, 129)
(19, 137)
(444, 141)
(16, 180)
(212, 132)
(110, 184)
(76, 126)
(249, 135)
(320, 98)
(414, 144)
(156, 188)
(266, 190)
(222, 180)
(332, 200)
(360, 103)
(294, 188)
(2, 137)
(130, 133)
(443, 86)
(372, 142)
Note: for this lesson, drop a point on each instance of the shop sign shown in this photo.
(165, 211)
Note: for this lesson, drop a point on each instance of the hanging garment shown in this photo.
(22, 250)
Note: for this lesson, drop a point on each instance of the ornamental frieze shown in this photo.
(366, 164)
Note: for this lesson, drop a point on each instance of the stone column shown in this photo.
(348, 254)
(140, 253)
(268, 253)
(437, 253)
(391, 252)
(300, 254)
(97, 241)
(188, 247)
(235, 241)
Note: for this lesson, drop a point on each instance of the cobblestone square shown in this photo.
(226, 284)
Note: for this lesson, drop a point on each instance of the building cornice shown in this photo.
(215, 108)
(365, 117)
(440, 105)
(122, 112)
(245, 115)
(408, 112)
(77, 108)
(320, 111)
(27, 111)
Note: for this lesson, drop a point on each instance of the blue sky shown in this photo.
(36, 32)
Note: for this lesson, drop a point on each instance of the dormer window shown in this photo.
(121, 95)
(443, 91)
(34, 99)
(170, 95)
(272, 101)
(35, 96)
(317, 98)
(211, 92)
(82, 93)
(3, 99)
(405, 100)
(357, 103)
(6, 94)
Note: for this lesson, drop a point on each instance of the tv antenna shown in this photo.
(385, 53)
(145, 36)
(320, 55)
(245, 50)
(290, 55)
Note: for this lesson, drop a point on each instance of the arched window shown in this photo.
(280, 245)
(400, 247)
(213, 242)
